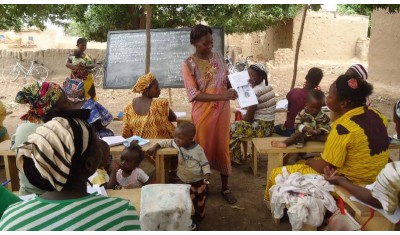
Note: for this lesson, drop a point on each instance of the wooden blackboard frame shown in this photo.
(218, 34)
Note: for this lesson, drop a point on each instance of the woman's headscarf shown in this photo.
(41, 99)
(360, 70)
(46, 157)
(143, 82)
(387, 187)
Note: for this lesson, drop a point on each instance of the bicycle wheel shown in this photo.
(98, 77)
(40, 73)
(11, 73)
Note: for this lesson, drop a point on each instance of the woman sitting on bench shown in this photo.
(357, 146)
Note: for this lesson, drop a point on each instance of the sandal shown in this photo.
(228, 196)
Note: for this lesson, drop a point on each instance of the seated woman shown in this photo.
(297, 101)
(99, 118)
(357, 146)
(385, 192)
(43, 99)
(58, 158)
(147, 117)
(259, 119)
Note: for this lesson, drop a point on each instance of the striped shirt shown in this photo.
(88, 213)
(266, 102)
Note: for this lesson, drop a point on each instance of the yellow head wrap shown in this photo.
(143, 82)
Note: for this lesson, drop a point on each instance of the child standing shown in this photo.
(193, 166)
(311, 123)
(127, 173)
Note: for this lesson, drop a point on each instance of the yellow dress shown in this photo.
(358, 146)
(153, 125)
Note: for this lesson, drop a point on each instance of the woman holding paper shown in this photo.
(205, 78)
(259, 118)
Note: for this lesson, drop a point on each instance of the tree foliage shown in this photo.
(94, 21)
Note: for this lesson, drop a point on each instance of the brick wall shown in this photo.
(283, 56)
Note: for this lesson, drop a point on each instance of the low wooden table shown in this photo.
(132, 195)
(161, 156)
(10, 165)
(276, 155)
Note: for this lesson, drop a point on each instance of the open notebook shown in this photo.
(114, 140)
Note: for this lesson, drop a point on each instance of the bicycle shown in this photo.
(37, 71)
(98, 74)
(243, 66)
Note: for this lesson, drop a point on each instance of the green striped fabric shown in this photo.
(89, 213)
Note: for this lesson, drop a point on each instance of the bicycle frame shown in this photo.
(26, 71)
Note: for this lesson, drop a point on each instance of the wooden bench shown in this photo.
(161, 158)
(10, 165)
(362, 213)
(276, 155)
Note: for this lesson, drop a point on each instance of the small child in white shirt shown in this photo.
(127, 173)
(193, 166)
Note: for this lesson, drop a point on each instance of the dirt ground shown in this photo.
(250, 212)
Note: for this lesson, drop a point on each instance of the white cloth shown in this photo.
(306, 195)
(137, 178)
(165, 207)
(266, 102)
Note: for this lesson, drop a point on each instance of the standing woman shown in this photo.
(205, 78)
(90, 91)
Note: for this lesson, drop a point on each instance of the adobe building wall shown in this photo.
(327, 36)
(330, 36)
(384, 53)
(261, 45)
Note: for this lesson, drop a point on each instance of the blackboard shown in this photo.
(126, 55)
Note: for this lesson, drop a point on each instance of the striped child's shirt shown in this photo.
(88, 213)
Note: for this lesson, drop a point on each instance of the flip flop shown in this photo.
(228, 196)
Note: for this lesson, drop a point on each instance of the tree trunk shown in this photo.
(296, 56)
(148, 37)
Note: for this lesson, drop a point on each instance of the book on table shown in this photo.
(114, 140)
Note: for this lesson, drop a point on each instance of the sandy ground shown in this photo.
(250, 213)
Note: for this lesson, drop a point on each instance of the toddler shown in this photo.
(127, 173)
(78, 60)
(193, 167)
(311, 123)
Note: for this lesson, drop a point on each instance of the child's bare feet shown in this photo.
(278, 144)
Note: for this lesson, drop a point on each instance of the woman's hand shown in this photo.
(230, 94)
(330, 175)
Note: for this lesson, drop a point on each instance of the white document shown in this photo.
(180, 114)
(282, 104)
(239, 82)
(97, 189)
(114, 140)
(392, 218)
